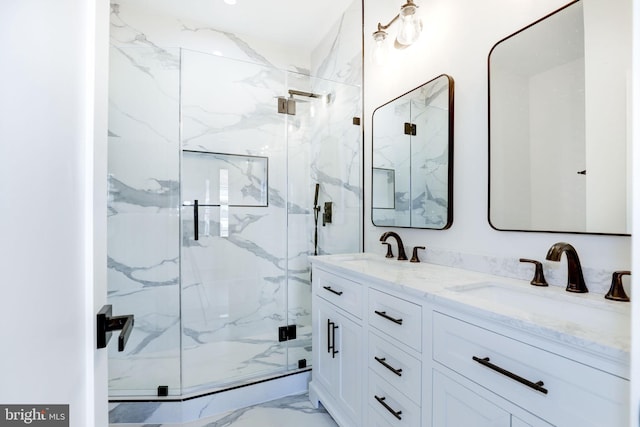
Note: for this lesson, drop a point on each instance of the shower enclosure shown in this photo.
(211, 195)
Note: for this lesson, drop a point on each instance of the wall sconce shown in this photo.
(410, 28)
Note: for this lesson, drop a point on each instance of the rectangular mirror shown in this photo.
(412, 174)
(558, 144)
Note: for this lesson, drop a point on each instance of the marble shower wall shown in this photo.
(207, 311)
(337, 148)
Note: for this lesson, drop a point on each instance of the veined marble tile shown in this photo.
(291, 411)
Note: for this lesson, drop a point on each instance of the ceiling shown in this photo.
(293, 23)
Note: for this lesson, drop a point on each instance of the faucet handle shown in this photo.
(538, 275)
(389, 251)
(414, 257)
(616, 291)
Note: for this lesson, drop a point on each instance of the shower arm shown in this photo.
(306, 94)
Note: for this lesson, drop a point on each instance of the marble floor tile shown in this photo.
(290, 411)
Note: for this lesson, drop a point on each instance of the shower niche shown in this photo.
(211, 283)
(247, 179)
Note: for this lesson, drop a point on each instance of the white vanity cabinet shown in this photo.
(518, 377)
(391, 350)
(338, 345)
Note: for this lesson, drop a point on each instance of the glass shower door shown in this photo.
(143, 222)
(234, 266)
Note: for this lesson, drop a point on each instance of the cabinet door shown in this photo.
(325, 370)
(349, 345)
(455, 405)
(340, 360)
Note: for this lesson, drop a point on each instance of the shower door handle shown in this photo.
(106, 323)
(195, 220)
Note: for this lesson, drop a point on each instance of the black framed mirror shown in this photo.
(558, 143)
(412, 158)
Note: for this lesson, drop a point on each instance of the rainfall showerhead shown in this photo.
(325, 97)
(288, 105)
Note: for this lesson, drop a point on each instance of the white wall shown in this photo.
(457, 38)
(47, 191)
(635, 138)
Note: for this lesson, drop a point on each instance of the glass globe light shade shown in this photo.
(410, 25)
(380, 50)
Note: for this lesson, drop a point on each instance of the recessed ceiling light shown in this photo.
(231, 2)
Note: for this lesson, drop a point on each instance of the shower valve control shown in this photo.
(328, 213)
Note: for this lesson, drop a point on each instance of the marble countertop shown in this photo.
(586, 321)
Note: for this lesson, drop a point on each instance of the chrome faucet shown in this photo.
(401, 255)
(575, 280)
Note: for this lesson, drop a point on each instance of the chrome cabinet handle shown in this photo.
(536, 386)
(381, 400)
(386, 316)
(333, 290)
(382, 361)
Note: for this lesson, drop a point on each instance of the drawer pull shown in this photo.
(536, 386)
(386, 316)
(383, 362)
(332, 290)
(381, 400)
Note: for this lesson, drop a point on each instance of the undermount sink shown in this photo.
(552, 304)
(364, 264)
(360, 256)
(358, 259)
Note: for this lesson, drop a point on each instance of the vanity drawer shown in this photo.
(389, 404)
(395, 366)
(557, 389)
(399, 318)
(341, 292)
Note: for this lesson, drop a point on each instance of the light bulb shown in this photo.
(410, 25)
(380, 50)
